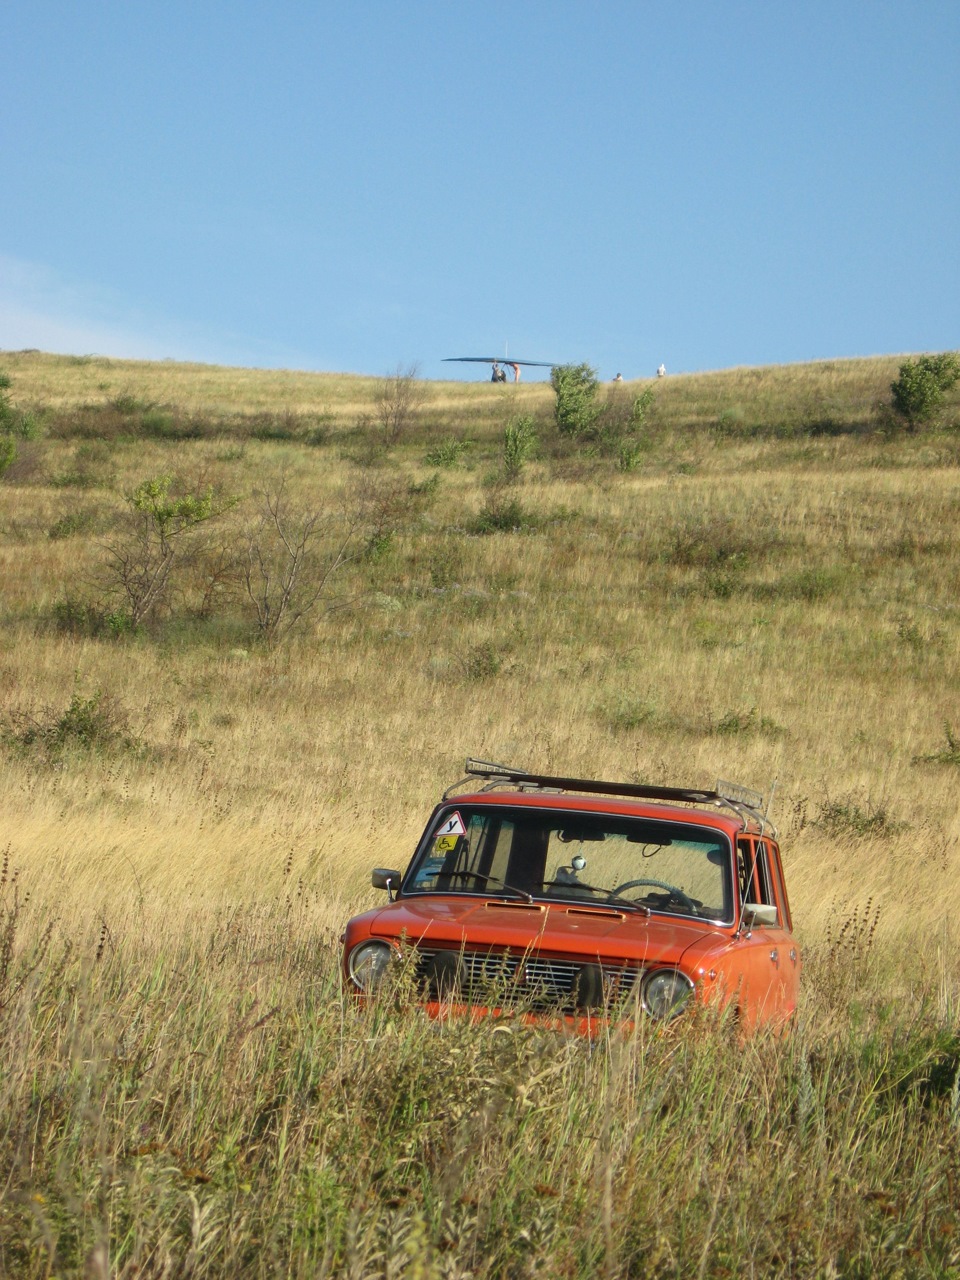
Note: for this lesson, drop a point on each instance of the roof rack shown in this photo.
(747, 804)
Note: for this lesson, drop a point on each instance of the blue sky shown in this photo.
(357, 187)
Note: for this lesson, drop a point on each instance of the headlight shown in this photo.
(665, 993)
(370, 963)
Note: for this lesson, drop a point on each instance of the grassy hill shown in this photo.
(758, 582)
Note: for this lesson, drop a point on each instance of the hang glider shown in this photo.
(498, 374)
(540, 364)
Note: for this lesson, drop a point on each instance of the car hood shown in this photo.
(574, 929)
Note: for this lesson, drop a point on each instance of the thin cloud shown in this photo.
(39, 309)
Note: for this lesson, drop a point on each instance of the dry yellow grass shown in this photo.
(749, 608)
(815, 389)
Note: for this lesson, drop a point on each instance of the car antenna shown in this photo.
(768, 806)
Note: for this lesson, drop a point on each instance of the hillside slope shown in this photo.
(758, 582)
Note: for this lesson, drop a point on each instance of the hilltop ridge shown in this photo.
(839, 395)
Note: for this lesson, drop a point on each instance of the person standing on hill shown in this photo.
(516, 371)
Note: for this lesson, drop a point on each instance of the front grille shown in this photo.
(532, 981)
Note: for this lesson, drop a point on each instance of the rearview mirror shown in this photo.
(384, 878)
(759, 913)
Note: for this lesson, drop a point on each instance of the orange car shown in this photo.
(585, 900)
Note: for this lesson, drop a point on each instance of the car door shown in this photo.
(769, 959)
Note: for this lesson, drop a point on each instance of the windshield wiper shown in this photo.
(621, 904)
(476, 875)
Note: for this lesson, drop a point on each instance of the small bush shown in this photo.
(318, 436)
(576, 410)
(519, 443)
(160, 425)
(631, 454)
(155, 545)
(76, 617)
(810, 585)
(8, 454)
(128, 404)
(447, 454)
(71, 524)
(503, 515)
(919, 390)
(95, 723)
(445, 564)
(481, 661)
(91, 467)
(735, 723)
(6, 409)
(287, 427)
(398, 400)
(730, 422)
(850, 815)
(917, 637)
(710, 540)
(13, 424)
(948, 754)
(629, 714)
(640, 410)
(157, 424)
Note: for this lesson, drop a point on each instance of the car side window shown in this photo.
(754, 875)
(776, 872)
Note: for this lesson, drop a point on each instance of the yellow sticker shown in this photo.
(446, 843)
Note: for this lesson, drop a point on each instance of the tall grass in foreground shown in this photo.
(768, 589)
(196, 1096)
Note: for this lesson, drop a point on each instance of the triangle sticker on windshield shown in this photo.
(451, 826)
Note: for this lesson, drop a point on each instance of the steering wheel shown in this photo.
(657, 884)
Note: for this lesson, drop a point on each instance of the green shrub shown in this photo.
(73, 616)
(948, 754)
(445, 564)
(642, 405)
(920, 388)
(8, 453)
(630, 454)
(448, 453)
(284, 428)
(12, 424)
(576, 410)
(730, 421)
(482, 661)
(519, 442)
(848, 815)
(154, 544)
(127, 404)
(711, 539)
(735, 723)
(502, 515)
(628, 714)
(72, 523)
(812, 585)
(96, 723)
(6, 409)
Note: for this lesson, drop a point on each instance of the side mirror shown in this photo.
(755, 913)
(384, 878)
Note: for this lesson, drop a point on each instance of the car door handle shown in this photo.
(775, 957)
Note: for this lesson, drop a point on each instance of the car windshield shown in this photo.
(563, 856)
